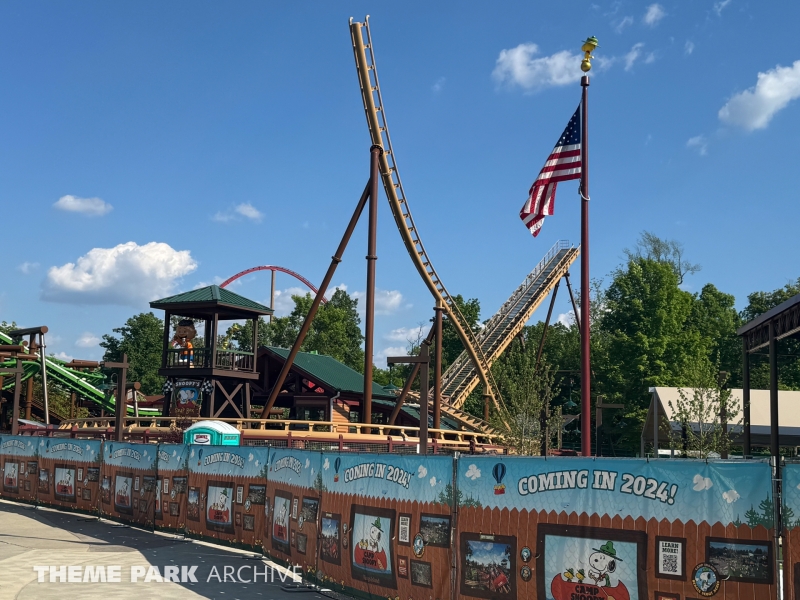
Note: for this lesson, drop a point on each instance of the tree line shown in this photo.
(646, 331)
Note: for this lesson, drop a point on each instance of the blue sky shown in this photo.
(147, 148)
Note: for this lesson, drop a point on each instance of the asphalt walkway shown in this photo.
(48, 554)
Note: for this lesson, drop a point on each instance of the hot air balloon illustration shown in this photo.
(199, 457)
(336, 464)
(498, 473)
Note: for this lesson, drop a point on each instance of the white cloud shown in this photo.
(245, 210)
(283, 300)
(249, 211)
(622, 24)
(567, 319)
(327, 464)
(422, 471)
(473, 472)
(439, 85)
(87, 340)
(222, 217)
(408, 334)
(701, 483)
(631, 57)
(517, 66)
(731, 496)
(387, 302)
(126, 274)
(92, 207)
(28, 267)
(380, 357)
(688, 48)
(433, 481)
(655, 12)
(700, 143)
(64, 356)
(720, 6)
(651, 58)
(754, 108)
(308, 461)
(216, 280)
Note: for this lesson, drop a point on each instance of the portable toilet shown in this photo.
(212, 433)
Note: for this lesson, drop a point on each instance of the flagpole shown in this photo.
(586, 365)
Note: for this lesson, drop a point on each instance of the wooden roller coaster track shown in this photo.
(460, 377)
(379, 133)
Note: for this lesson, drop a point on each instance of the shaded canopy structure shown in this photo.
(765, 331)
(665, 401)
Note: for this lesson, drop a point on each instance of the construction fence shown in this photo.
(424, 527)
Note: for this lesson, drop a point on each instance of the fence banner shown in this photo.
(386, 524)
(69, 472)
(20, 463)
(128, 484)
(222, 480)
(791, 531)
(569, 528)
(293, 492)
(172, 483)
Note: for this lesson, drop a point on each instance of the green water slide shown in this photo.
(81, 382)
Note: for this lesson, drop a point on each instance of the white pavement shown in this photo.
(47, 538)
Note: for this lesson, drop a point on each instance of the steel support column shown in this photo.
(372, 257)
(775, 448)
(746, 397)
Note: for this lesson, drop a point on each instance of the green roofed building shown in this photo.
(318, 387)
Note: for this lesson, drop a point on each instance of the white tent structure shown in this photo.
(665, 400)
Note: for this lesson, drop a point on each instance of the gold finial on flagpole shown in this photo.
(588, 47)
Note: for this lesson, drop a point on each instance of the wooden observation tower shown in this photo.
(207, 380)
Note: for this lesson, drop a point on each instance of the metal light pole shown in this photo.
(586, 366)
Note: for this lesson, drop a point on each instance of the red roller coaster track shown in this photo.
(273, 268)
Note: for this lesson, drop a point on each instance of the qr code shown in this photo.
(669, 563)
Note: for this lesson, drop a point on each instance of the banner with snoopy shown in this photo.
(565, 528)
(223, 481)
(69, 472)
(172, 484)
(19, 461)
(128, 482)
(386, 524)
(294, 486)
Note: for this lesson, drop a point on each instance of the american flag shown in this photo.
(563, 164)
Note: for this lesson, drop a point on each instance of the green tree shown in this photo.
(668, 252)
(645, 321)
(788, 349)
(446, 497)
(715, 319)
(141, 338)
(335, 330)
(699, 408)
(6, 327)
(59, 399)
(527, 393)
(452, 346)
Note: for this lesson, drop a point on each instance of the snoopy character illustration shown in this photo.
(602, 562)
(373, 542)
